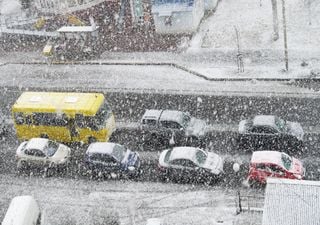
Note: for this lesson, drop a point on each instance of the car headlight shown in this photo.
(131, 168)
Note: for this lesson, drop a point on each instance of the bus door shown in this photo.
(73, 129)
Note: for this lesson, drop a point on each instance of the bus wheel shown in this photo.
(91, 140)
(44, 136)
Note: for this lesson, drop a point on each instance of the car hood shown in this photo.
(161, 158)
(196, 127)
(297, 167)
(214, 163)
(21, 146)
(295, 129)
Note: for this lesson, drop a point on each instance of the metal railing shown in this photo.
(249, 203)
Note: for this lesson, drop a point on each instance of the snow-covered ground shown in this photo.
(253, 20)
(81, 201)
(137, 78)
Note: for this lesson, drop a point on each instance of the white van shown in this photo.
(23, 210)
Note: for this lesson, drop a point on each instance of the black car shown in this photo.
(270, 132)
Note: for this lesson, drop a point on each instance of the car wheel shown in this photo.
(22, 167)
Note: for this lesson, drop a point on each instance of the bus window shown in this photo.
(19, 118)
(28, 119)
(49, 119)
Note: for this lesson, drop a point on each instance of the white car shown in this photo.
(188, 163)
(42, 153)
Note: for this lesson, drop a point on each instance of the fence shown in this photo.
(249, 203)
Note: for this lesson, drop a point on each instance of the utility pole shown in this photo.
(275, 20)
(239, 54)
(285, 35)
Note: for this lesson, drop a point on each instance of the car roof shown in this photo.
(101, 147)
(152, 114)
(37, 143)
(171, 115)
(183, 153)
(264, 120)
(273, 157)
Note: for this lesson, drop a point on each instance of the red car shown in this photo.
(266, 164)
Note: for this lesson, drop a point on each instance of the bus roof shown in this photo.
(70, 103)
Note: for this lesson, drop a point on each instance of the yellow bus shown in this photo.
(65, 117)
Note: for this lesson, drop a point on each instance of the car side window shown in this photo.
(261, 167)
(275, 169)
(177, 162)
(149, 122)
(34, 152)
(183, 162)
(263, 130)
(190, 164)
(170, 124)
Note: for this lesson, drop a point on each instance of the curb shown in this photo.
(175, 65)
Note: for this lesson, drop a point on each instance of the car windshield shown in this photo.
(286, 161)
(201, 157)
(280, 123)
(119, 152)
(51, 148)
(185, 120)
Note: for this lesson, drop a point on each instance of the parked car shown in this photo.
(42, 153)
(23, 210)
(270, 132)
(276, 164)
(105, 158)
(190, 164)
(161, 127)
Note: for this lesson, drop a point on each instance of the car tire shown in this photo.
(22, 167)
(193, 141)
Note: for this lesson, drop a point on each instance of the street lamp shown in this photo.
(285, 35)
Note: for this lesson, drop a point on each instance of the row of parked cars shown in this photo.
(177, 163)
